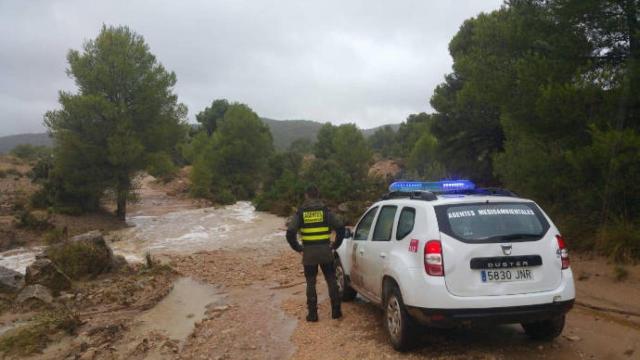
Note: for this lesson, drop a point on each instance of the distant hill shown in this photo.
(7, 143)
(284, 133)
(369, 132)
(287, 131)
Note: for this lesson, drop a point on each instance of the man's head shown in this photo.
(312, 192)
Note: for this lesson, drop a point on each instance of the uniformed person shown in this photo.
(315, 222)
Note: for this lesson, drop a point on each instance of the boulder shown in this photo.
(45, 272)
(34, 293)
(93, 237)
(10, 281)
(119, 263)
(83, 255)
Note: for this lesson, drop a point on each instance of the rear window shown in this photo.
(492, 222)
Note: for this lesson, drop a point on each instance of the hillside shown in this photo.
(287, 131)
(284, 133)
(9, 142)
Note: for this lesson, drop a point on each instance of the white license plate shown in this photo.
(504, 275)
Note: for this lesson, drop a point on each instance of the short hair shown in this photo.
(312, 191)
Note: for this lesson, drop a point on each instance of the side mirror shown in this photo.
(347, 233)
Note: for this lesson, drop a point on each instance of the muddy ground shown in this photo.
(240, 299)
(263, 309)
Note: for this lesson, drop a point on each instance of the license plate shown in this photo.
(505, 275)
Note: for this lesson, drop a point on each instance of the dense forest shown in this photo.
(543, 99)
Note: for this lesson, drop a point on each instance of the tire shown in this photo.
(347, 293)
(397, 322)
(546, 330)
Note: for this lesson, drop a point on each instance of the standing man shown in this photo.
(315, 222)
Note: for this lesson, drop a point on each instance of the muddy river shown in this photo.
(178, 232)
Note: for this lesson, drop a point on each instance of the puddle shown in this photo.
(177, 314)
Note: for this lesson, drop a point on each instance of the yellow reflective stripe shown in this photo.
(314, 230)
(316, 237)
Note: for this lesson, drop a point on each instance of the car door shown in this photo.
(361, 238)
(376, 255)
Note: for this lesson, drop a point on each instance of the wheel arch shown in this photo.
(388, 282)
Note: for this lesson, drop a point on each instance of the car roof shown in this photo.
(452, 199)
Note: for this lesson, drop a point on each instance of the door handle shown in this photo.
(361, 251)
(383, 255)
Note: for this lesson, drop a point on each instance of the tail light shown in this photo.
(563, 251)
(433, 263)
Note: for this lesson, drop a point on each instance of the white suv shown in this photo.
(442, 257)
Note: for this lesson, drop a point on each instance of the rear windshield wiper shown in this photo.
(515, 237)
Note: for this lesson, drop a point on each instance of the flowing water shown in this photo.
(178, 231)
(18, 259)
(188, 231)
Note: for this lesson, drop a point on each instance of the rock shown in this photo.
(572, 337)
(84, 255)
(46, 273)
(10, 281)
(94, 236)
(66, 297)
(629, 352)
(34, 292)
(584, 276)
(119, 263)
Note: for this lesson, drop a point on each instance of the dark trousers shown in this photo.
(310, 273)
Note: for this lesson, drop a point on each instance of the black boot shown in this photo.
(312, 316)
(336, 312)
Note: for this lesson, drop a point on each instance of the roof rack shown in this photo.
(413, 195)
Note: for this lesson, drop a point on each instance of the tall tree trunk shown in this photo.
(122, 194)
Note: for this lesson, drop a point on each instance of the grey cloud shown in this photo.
(341, 61)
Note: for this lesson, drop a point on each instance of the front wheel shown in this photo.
(545, 330)
(347, 293)
(397, 321)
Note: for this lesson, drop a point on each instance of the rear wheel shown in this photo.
(347, 293)
(545, 330)
(398, 323)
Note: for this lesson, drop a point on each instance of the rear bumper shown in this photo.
(502, 315)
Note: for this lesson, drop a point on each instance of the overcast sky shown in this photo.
(368, 62)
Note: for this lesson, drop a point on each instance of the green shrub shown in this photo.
(620, 240)
(620, 273)
(54, 236)
(161, 166)
(80, 259)
(10, 172)
(27, 220)
(40, 199)
(224, 197)
(30, 152)
(40, 171)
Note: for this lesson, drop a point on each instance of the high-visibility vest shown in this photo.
(314, 226)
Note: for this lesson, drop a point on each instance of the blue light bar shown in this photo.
(434, 186)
